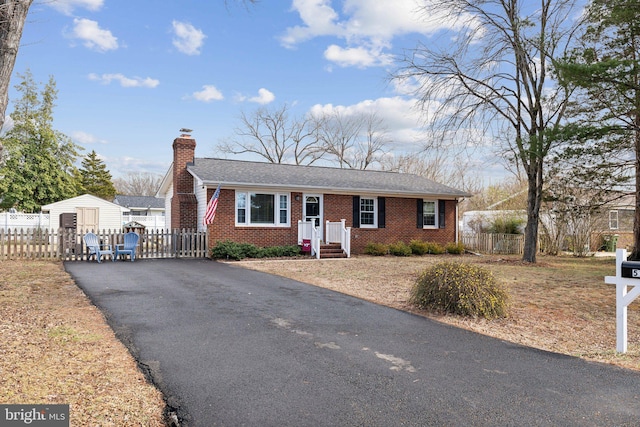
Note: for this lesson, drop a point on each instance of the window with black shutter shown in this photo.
(441, 214)
(356, 211)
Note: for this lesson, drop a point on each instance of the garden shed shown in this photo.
(92, 213)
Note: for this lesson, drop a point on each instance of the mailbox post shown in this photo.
(627, 275)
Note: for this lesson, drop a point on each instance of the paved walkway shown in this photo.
(232, 347)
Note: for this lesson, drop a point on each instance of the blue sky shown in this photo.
(131, 73)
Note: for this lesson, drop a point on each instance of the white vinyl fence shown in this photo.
(30, 221)
(25, 221)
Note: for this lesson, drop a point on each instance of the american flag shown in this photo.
(210, 214)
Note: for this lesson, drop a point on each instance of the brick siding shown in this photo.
(183, 203)
(400, 223)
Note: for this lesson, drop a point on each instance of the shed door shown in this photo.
(88, 219)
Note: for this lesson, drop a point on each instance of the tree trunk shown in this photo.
(635, 253)
(13, 14)
(534, 201)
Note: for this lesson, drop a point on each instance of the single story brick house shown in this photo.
(266, 203)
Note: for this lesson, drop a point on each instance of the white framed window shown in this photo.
(613, 220)
(264, 209)
(368, 212)
(430, 214)
(283, 209)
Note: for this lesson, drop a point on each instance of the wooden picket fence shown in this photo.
(68, 245)
(504, 244)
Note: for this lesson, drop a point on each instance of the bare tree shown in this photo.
(353, 141)
(374, 141)
(273, 135)
(138, 184)
(496, 77)
(571, 214)
(454, 168)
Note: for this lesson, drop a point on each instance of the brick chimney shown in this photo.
(184, 212)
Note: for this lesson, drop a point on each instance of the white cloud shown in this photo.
(318, 17)
(358, 56)
(367, 27)
(67, 6)
(400, 115)
(84, 138)
(93, 36)
(125, 81)
(120, 166)
(207, 94)
(264, 97)
(188, 39)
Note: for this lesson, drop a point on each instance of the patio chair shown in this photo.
(129, 245)
(95, 248)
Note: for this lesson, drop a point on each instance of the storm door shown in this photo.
(313, 211)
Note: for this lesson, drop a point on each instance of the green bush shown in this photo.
(418, 247)
(376, 249)
(399, 249)
(236, 251)
(460, 288)
(435, 248)
(506, 225)
(454, 248)
(229, 250)
(280, 251)
(249, 250)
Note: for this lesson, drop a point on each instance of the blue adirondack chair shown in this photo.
(129, 245)
(94, 247)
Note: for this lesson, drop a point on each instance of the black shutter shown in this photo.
(441, 214)
(381, 212)
(420, 213)
(356, 211)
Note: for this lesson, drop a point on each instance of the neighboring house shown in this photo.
(262, 203)
(147, 211)
(91, 213)
(141, 205)
(616, 220)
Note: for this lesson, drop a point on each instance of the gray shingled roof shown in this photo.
(139, 201)
(243, 173)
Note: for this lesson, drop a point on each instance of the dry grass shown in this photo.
(560, 304)
(56, 348)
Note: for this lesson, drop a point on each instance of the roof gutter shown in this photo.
(345, 191)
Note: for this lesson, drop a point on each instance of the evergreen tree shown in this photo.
(603, 141)
(96, 179)
(38, 165)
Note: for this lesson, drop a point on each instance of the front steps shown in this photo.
(331, 250)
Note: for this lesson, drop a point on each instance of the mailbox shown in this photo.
(631, 269)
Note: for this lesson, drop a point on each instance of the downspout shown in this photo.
(458, 219)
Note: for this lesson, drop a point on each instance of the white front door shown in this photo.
(312, 211)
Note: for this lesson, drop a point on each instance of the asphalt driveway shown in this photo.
(233, 347)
